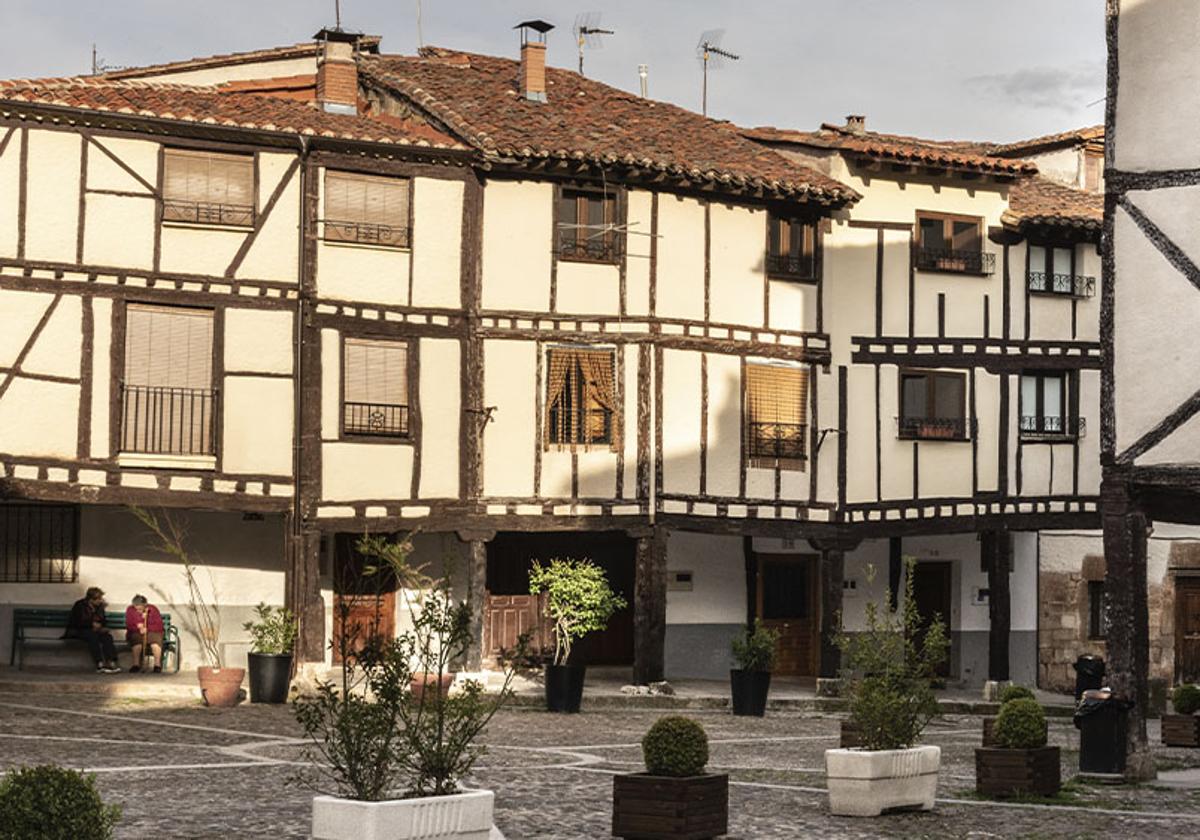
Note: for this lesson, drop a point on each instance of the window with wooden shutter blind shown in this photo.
(587, 226)
(375, 388)
(580, 397)
(792, 248)
(208, 187)
(776, 424)
(168, 399)
(367, 209)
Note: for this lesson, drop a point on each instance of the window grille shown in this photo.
(208, 188)
(587, 226)
(39, 543)
(368, 209)
(375, 388)
(776, 415)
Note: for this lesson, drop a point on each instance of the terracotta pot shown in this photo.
(425, 681)
(220, 686)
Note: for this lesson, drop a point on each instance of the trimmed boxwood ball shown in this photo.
(1021, 725)
(675, 746)
(53, 803)
(1015, 692)
(1186, 699)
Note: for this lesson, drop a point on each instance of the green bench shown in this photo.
(54, 618)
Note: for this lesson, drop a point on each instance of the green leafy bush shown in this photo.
(1015, 692)
(53, 803)
(675, 746)
(275, 630)
(889, 669)
(1186, 699)
(754, 647)
(578, 600)
(1021, 725)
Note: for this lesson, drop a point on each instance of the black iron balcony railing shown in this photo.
(208, 213)
(1068, 285)
(584, 244)
(379, 419)
(1033, 427)
(935, 428)
(777, 440)
(948, 259)
(168, 421)
(797, 268)
(366, 233)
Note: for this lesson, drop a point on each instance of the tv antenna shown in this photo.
(587, 33)
(709, 52)
(337, 14)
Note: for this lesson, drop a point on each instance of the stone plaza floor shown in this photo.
(184, 771)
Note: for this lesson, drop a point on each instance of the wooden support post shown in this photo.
(1125, 594)
(650, 608)
(995, 550)
(833, 568)
(303, 593)
(476, 592)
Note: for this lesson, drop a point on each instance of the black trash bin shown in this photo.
(1101, 721)
(1089, 674)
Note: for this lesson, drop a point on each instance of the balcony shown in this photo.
(208, 213)
(375, 419)
(934, 428)
(1065, 285)
(961, 262)
(791, 268)
(776, 441)
(366, 233)
(157, 420)
(583, 245)
(1053, 428)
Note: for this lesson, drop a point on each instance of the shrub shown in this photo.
(675, 746)
(1015, 692)
(53, 803)
(1021, 725)
(578, 600)
(1186, 699)
(754, 647)
(275, 630)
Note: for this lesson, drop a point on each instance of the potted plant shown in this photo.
(750, 681)
(674, 799)
(219, 686)
(1009, 692)
(888, 673)
(578, 601)
(1020, 762)
(1182, 729)
(270, 658)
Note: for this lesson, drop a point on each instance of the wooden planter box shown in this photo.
(989, 728)
(850, 737)
(1002, 772)
(649, 807)
(1181, 730)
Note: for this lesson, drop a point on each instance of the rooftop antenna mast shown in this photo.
(587, 33)
(337, 14)
(709, 52)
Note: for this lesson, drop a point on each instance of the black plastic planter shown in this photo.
(564, 687)
(270, 675)
(750, 690)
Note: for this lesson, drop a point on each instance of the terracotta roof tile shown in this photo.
(1038, 201)
(476, 97)
(1035, 144)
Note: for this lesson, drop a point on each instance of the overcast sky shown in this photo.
(961, 69)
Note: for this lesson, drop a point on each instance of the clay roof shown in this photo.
(1063, 138)
(219, 107)
(476, 97)
(1037, 201)
(367, 43)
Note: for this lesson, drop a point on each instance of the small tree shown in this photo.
(274, 632)
(754, 647)
(890, 668)
(48, 802)
(578, 600)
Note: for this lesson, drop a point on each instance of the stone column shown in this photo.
(995, 549)
(650, 607)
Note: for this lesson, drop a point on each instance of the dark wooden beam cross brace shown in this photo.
(996, 555)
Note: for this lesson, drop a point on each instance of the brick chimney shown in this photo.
(856, 123)
(532, 81)
(337, 71)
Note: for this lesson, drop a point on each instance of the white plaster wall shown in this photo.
(1062, 165)
(793, 305)
(637, 251)
(256, 435)
(258, 340)
(896, 250)
(867, 568)
(849, 267)
(680, 258)
(10, 180)
(266, 69)
(945, 468)
(118, 230)
(587, 288)
(196, 249)
(987, 405)
(275, 253)
(718, 594)
(437, 242)
(860, 435)
(58, 347)
(102, 382)
(681, 421)
(1089, 444)
(1087, 264)
(52, 195)
(737, 248)
(1050, 317)
(517, 231)
(366, 273)
(365, 471)
(39, 419)
(724, 466)
(896, 454)
(441, 413)
(598, 473)
(630, 409)
(21, 312)
(509, 381)
(331, 385)
(103, 173)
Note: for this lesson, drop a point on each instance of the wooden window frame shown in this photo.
(951, 260)
(756, 460)
(1074, 286)
(411, 372)
(1070, 423)
(778, 265)
(209, 214)
(613, 251)
(60, 515)
(362, 236)
(574, 444)
(925, 427)
(1097, 610)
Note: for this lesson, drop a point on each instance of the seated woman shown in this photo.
(87, 622)
(144, 629)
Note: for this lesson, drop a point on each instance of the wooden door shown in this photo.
(507, 617)
(1187, 630)
(787, 603)
(364, 603)
(932, 588)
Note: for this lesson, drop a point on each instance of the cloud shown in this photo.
(1063, 89)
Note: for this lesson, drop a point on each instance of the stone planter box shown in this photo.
(649, 807)
(1005, 772)
(989, 727)
(866, 783)
(463, 816)
(850, 736)
(1181, 730)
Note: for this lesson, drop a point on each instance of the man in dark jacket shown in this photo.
(87, 622)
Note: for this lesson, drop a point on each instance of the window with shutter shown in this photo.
(933, 405)
(587, 226)
(791, 248)
(168, 402)
(951, 243)
(1052, 271)
(368, 209)
(1044, 405)
(38, 543)
(375, 388)
(208, 188)
(776, 415)
(580, 397)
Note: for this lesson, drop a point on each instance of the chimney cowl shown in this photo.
(532, 80)
(856, 123)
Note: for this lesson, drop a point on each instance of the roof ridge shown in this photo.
(371, 42)
(53, 83)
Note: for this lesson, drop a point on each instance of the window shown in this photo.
(776, 397)
(1097, 610)
(375, 388)
(208, 188)
(1052, 271)
(38, 543)
(791, 248)
(1044, 405)
(587, 226)
(367, 209)
(1093, 170)
(580, 398)
(932, 405)
(168, 403)
(952, 243)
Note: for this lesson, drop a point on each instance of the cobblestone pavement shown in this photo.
(184, 771)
